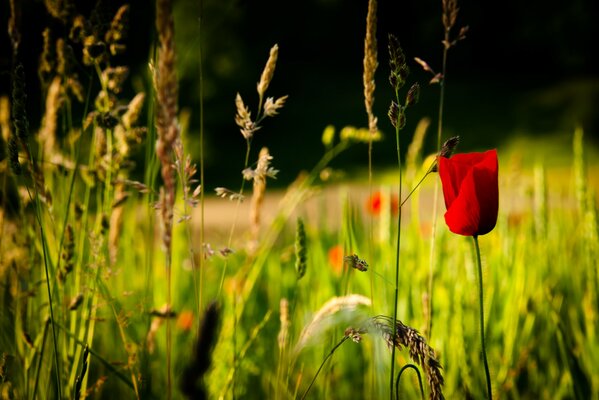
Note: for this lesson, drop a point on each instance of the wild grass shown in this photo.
(117, 288)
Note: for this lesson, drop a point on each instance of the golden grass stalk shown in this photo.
(259, 175)
(116, 222)
(5, 118)
(167, 128)
(285, 324)
(370, 64)
(165, 82)
(47, 135)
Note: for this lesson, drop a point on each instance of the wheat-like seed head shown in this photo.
(405, 336)
(269, 71)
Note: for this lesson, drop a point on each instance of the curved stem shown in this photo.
(482, 317)
(401, 371)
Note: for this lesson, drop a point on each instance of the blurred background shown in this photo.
(527, 73)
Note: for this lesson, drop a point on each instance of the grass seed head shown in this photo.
(397, 64)
(269, 71)
(19, 103)
(370, 64)
(301, 249)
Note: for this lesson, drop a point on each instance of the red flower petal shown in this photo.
(470, 190)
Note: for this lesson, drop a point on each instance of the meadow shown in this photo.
(124, 275)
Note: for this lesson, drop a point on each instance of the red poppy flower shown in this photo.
(470, 188)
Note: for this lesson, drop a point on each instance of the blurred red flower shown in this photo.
(335, 256)
(375, 202)
(185, 320)
(471, 192)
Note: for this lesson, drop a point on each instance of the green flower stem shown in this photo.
(482, 317)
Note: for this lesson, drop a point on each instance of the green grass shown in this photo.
(540, 301)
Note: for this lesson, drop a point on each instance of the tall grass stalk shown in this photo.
(449, 16)
(370, 66)
(397, 79)
(397, 252)
(432, 258)
(202, 182)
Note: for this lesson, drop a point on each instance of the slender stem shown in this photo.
(38, 214)
(230, 240)
(432, 258)
(41, 357)
(169, 383)
(482, 316)
(396, 294)
(203, 186)
(416, 187)
(322, 365)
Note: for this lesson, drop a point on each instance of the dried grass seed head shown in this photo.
(118, 26)
(446, 150)
(271, 107)
(370, 64)
(301, 249)
(356, 262)
(413, 95)
(450, 13)
(19, 103)
(243, 119)
(47, 58)
(420, 352)
(133, 110)
(269, 71)
(397, 115)
(13, 155)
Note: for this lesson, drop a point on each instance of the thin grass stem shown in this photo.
(202, 183)
(396, 291)
(39, 362)
(322, 365)
(432, 258)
